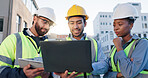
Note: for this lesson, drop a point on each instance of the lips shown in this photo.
(76, 31)
(117, 33)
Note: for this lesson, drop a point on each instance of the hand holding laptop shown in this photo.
(66, 75)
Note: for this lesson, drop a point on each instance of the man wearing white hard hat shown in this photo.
(26, 45)
(129, 56)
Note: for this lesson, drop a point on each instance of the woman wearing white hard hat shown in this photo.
(129, 56)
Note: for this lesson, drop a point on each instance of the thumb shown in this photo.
(27, 67)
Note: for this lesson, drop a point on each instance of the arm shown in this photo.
(132, 68)
(101, 66)
(7, 56)
(7, 51)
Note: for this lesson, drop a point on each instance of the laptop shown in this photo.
(59, 56)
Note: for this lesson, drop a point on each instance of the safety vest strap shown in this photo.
(132, 48)
(18, 48)
(5, 59)
(94, 49)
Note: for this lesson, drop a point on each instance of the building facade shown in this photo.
(103, 27)
(15, 15)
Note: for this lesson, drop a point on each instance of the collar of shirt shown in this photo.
(83, 37)
(30, 33)
(134, 37)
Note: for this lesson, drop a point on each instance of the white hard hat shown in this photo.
(125, 10)
(47, 13)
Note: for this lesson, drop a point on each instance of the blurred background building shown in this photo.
(15, 15)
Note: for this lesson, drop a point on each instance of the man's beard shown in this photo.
(79, 34)
(38, 30)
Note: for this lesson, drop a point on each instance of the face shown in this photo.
(122, 27)
(42, 26)
(76, 25)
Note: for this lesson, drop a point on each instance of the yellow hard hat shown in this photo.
(76, 10)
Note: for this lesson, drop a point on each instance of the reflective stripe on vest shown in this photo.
(128, 51)
(19, 48)
(94, 51)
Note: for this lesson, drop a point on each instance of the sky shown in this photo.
(92, 8)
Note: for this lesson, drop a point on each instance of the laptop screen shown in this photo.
(59, 56)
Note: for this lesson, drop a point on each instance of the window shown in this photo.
(111, 35)
(1, 25)
(144, 35)
(100, 15)
(110, 23)
(102, 32)
(142, 25)
(145, 19)
(109, 16)
(25, 25)
(106, 23)
(103, 16)
(145, 25)
(106, 31)
(139, 35)
(18, 23)
(142, 18)
(135, 4)
(101, 23)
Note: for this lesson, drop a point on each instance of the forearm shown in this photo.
(12, 73)
(100, 67)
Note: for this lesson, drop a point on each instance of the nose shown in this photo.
(75, 25)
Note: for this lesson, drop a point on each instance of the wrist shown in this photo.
(119, 49)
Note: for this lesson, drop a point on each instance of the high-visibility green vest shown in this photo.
(18, 46)
(128, 50)
(94, 51)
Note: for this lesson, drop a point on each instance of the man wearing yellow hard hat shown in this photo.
(77, 17)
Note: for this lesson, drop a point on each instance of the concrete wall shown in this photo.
(4, 7)
(20, 9)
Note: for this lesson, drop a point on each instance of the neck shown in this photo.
(126, 38)
(32, 29)
(79, 37)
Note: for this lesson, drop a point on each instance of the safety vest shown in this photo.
(128, 52)
(23, 47)
(94, 51)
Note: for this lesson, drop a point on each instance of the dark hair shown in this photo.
(84, 18)
(130, 20)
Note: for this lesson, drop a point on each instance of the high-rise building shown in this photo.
(15, 15)
(103, 27)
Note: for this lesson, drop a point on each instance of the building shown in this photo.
(15, 15)
(103, 27)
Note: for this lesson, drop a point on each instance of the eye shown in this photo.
(71, 23)
(120, 24)
(80, 22)
(45, 21)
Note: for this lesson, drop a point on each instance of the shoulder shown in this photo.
(143, 43)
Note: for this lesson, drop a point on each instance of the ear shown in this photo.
(34, 18)
(85, 24)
